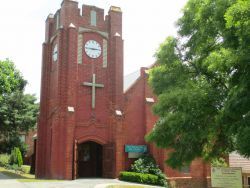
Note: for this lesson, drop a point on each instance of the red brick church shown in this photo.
(93, 121)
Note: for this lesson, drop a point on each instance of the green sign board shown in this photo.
(135, 148)
(224, 177)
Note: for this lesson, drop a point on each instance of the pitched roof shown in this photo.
(236, 160)
(130, 79)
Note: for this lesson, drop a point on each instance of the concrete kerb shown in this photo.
(124, 185)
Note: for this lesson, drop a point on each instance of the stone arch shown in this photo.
(97, 139)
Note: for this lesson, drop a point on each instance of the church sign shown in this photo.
(136, 148)
(226, 177)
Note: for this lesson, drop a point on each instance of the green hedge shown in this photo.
(146, 164)
(25, 169)
(139, 177)
(4, 160)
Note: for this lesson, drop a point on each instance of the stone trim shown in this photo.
(102, 33)
(79, 47)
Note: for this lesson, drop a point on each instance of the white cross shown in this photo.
(94, 85)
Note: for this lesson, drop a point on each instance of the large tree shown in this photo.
(202, 80)
(18, 111)
(10, 78)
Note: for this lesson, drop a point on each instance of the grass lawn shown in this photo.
(22, 177)
(13, 175)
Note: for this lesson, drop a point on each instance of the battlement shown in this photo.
(90, 17)
(86, 10)
(69, 1)
(115, 9)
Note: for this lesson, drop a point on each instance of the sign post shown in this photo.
(135, 151)
(136, 148)
(225, 177)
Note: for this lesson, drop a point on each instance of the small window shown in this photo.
(185, 169)
(93, 18)
(57, 20)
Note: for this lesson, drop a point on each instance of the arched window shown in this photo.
(55, 53)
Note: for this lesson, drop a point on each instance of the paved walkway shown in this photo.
(2, 177)
(80, 183)
(6, 182)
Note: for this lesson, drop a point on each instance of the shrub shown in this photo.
(13, 167)
(143, 164)
(147, 165)
(16, 157)
(7, 145)
(139, 177)
(25, 169)
(4, 160)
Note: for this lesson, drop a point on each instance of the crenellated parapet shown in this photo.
(89, 17)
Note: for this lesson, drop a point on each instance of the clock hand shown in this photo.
(93, 49)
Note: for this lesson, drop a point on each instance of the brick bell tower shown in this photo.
(79, 129)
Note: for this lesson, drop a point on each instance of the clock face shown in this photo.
(93, 49)
(55, 53)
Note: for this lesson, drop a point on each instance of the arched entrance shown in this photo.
(90, 157)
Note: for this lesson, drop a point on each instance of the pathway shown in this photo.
(6, 182)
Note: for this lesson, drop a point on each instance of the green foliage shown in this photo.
(25, 169)
(19, 158)
(219, 162)
(144, 164)
(10, 78)
(16, 157)
(6, 145)
(202, 83)
(18, 111)
(237, 19)
(4, 160)
(13, 156)
(14, 167)
(147, 165)
(242, 143)
(139, 177)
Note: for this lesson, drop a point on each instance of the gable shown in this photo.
(130, 79)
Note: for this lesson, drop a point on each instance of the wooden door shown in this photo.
(108, 161)
(89, 160)
(85, 160)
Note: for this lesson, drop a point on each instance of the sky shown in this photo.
(146, 24)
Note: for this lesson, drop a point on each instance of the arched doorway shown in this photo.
(89, 163)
